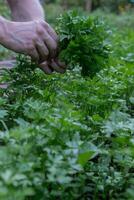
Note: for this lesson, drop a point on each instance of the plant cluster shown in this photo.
(83, 42)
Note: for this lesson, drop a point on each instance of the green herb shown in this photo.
(83, 42)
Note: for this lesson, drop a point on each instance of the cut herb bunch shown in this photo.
(83, 42)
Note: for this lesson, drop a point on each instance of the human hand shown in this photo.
(35, 38)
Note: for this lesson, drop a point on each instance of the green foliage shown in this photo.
(83, 42)
(67, 137)
(114, 6)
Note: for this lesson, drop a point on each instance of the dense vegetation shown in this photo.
(68, 136)
(83, 42)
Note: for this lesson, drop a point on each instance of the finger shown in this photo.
(61, 64)
(50, 43)
(44, 66)
(42, 51)
(51, 32)
(56, 67)
(34, 55)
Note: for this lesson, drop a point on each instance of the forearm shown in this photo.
(26, 10)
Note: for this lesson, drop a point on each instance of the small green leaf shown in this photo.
(83, 158)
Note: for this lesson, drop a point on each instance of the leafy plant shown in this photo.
(69, 137)
(83, 42)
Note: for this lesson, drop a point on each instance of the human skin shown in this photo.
(29, 34)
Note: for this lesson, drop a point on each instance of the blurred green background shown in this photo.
(119, 13)
(54, 8)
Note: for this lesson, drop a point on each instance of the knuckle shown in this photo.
(35, 38)
(45, 24)
(40, 30)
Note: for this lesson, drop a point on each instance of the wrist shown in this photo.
(3, 29)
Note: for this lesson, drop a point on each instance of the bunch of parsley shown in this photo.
(83, 42)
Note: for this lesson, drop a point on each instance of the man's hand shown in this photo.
(36, 39)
